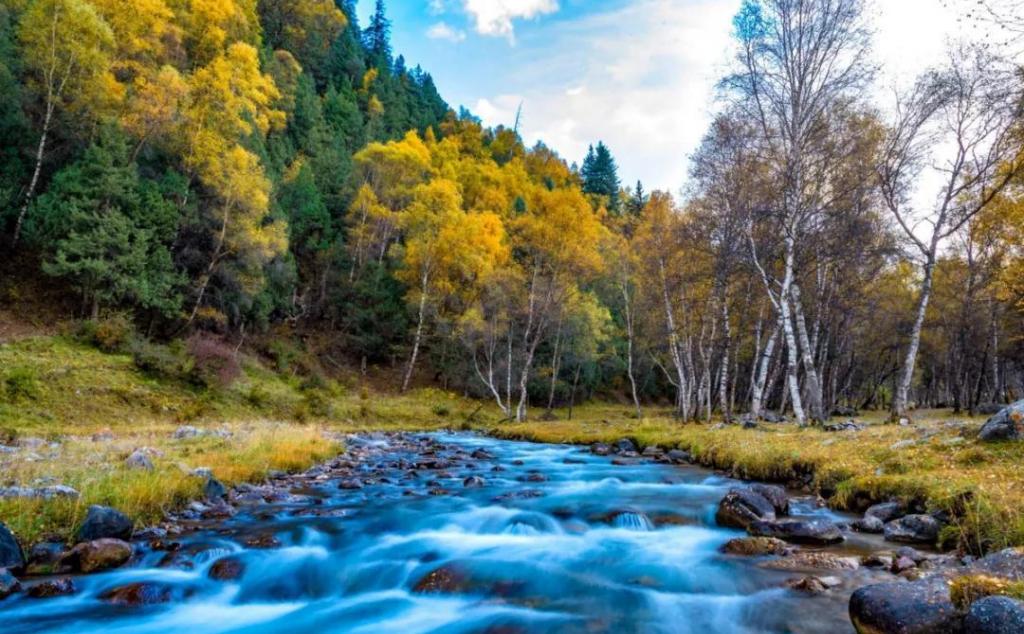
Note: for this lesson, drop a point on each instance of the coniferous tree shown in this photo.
(638, 200)
(377, 38)
(601, 176)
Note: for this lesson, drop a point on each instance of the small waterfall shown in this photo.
(633, 522)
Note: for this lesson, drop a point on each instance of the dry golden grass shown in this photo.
(967, 589)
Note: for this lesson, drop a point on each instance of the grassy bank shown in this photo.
(62, 391)
(937, 463)
(76, 413)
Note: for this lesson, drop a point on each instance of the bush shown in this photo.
(111, 334)
(258, 397)
(21, 384)
(284, 354)
(158, 361)
(214, 363)
(967, 589)
(441, 410)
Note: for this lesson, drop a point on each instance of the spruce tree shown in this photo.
(638, 200)
(377, 39)
(601, 176)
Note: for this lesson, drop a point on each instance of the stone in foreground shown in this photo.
(740, 507)
(905, 608)
(995, 615)
(11, 555)
(103, 522)
(1006, 425)
(913, 529)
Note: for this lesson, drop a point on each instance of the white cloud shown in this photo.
(436, 7)
(494, 17)
(441, 31)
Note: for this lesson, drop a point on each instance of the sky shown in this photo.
(639, 75)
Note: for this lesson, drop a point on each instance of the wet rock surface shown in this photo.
(742, 507)
(799, 531)
(11, 555)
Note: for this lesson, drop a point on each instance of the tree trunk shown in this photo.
(673, 341)
(787, 327)
(901, 399)
(757, 400)
(813, 381)
(419, 335)
(628, 311)
(723, 383)
(34, 183)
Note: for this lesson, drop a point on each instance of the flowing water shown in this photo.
(556, 540)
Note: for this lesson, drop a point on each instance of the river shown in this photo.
(553, 540)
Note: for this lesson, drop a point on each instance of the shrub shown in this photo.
(214, 363)
(110, 334)
(158, 361)
(284, 354)
(258, 397)
(21, 384)
(441, 410)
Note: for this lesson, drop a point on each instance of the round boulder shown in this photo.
(740, 507)
(774, 494)
(103, 522)
(995, 615)
(922, 607)
(138, 594)
(98, 555)
(756, 546)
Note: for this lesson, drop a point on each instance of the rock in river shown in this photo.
(52, 588)
(995, 615)
(922, 607)
(98, 555)
(799, 531)
(136, 594)
(913, 529)
(740, 507)
(103, 522)
(1006, 425)
(756, 546)
(8, 584)
(774, 494)
(11, 555)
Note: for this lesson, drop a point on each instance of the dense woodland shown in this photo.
(263, 169)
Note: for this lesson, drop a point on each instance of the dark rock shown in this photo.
(227, 569)
(652, 451)
(799, 531)
(995, 615)
(624, 445)
(1007, 563)
(11, 555)
(482, 454)
(474, 482)
(869, 524)
(213, 489)
(774, 494)
(887, 511)
(769, 416)
(103, 522)
(912, 554)
(97, 555)
(748, 423)
(913, 529)
(138, 594)
(51, 588)
(263, 541)
(536, 477)
(678, 456)
(8, 584)
(877, 560)
(756, 546)
(922, 607)
(740, 507)
(1008, 424)
(845, 426)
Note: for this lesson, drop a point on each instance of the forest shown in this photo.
(246, 171)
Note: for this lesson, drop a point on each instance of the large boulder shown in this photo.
(869, 524)
(995, 615)
(98, 555)
(816, 532)
(740, 507)
(52, 588)
(1006, 425)
(922, 607)
(102, 522)
(11, 555)
(913, 529)
(1007, 563)
(774, 494)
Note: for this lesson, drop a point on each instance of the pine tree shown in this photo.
(377, 38)
(601, 177)
(638, 200)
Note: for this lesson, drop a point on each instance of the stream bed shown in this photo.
(458, 533)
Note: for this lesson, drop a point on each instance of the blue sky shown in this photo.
(637, 74)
